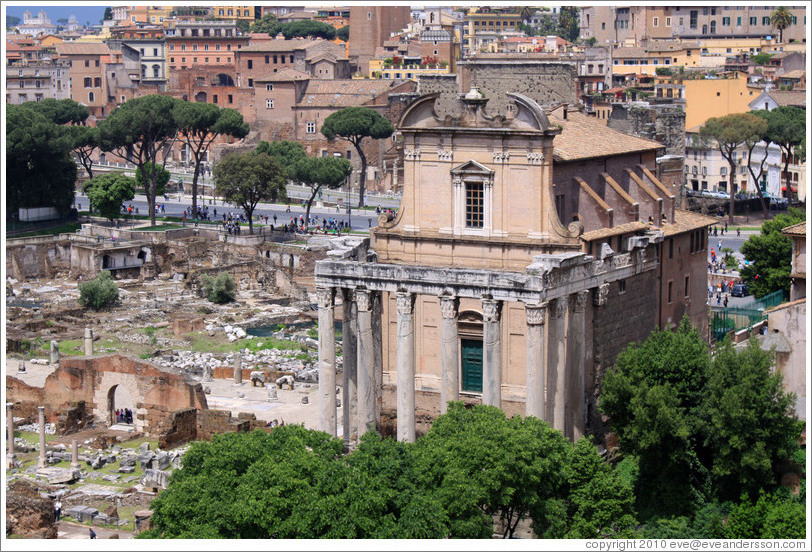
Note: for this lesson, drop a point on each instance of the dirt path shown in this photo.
(69, 530)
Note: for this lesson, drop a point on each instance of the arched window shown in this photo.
(156, 71)
(143, 71)
(91, 97)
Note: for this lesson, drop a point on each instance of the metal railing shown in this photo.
(733, 319)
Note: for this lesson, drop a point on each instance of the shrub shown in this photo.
(220, 289)
(99, 292)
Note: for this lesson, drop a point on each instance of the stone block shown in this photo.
(126, 469)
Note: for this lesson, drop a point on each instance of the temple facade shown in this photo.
(477, 290)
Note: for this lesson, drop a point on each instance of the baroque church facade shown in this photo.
(530, 247)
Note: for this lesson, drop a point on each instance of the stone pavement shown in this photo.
(69, 530)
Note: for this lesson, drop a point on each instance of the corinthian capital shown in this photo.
(325, 297)
(491, 310)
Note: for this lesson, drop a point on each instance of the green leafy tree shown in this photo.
(39, 168)
(85, 144)
(568, 21)
(161, 176)
(751, 424)
(755, 167)
(221, 289)
(286, 152)
(781, 18)
(244, 26)
(98, 293)
(319, 172)
(307, 29)
(601, 504)
(343, 33)
(245, 179)
(354, 124)
(775, 516)
(268, 24)
(769, 255)
(199, 124)
(762, 58)
(107, 192)
(140, 130)
(485, 465)
(786, 128)
(60, 112)
(108, 14)
(729, 132)
(652, 397)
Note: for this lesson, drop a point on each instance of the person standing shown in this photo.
(57, 510)
(92, 533)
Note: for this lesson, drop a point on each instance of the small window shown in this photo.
(670, 248)
(670, 291)
(269, 104)
(474, 205)
(250, 83)
(91, 97)
(230, 98)
(269, 87)
(214, 98)
(687, 286)
(267, 59)
(311, 128)
(621, 286)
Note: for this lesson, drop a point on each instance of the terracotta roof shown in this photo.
(795, 230)
(602, 233)
(343, 92)
(786, 305)
(788, 97)
(82, 48)
(584, 137)
(277, 45)
(685, 221)
(796, 74)
(284, 75)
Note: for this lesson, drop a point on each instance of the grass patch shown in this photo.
(160, 228)
(33, 437)
(202, 343)
(67, 228)
(72, 347)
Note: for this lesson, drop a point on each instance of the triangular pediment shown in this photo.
(472, 167)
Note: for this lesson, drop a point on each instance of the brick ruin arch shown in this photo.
(157, 394)
(104, 398)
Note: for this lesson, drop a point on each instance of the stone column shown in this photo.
(576, 391)
(42, 463)
(238, 369)
(74, 454)
(88, 342)
(534, 402)
(555, 363)
(327, 360)
(450, 386)
(54, 352)
(492, 353)
(10, 431)
(377, 351)
(406, 404)
(350, 375)
(366, 363)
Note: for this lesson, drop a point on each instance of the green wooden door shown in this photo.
(471, 365)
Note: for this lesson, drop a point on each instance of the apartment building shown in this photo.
(315, 57)
(211, 42)
(149, 46)
(234, 12)
(88, 84)
(36, 80)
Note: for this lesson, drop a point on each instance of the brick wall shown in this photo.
(178, 428)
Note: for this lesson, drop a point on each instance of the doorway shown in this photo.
(471, 353)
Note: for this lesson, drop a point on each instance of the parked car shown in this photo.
(740, 290)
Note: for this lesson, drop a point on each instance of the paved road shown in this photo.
(175, 206)
(70, 530)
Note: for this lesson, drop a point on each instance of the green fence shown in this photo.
(767, 302)
(737, 318)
